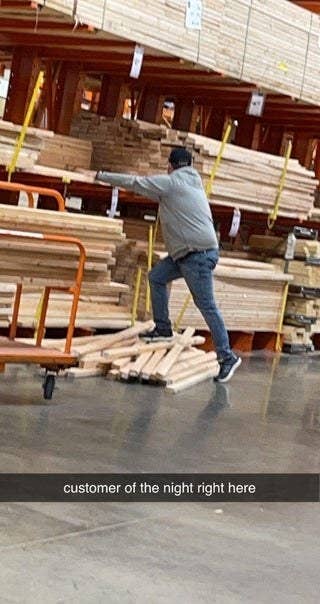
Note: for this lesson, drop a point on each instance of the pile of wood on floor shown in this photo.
(246, 178)
(302, 313)
(176, 365)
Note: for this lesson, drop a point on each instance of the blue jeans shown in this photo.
(196, 269)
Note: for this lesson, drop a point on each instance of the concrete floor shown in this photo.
(266, 420)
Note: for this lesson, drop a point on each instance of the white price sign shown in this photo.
(235, 225)
(194, 14)
(256, 104)
(137, 61)
(114, 202)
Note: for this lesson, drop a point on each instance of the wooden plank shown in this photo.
(169, 360)
(191, 381)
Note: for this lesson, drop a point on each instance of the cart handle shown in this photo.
(15, 186)
(75, 290)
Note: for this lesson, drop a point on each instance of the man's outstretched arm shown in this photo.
(148, 186)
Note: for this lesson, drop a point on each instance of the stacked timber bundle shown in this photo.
(44, 148)
(7, 293)
(302, 313)
(177, 364)
(33, 143)
(94, 312)
(254, 289)
(65, 152)
(246, 178)
(138, 230)
(36, 262)
(266, 41)
(249, 295)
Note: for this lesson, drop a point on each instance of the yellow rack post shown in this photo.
(274, 213)
(136, 296)
(150, 254)
(179, 318)
(218, 158)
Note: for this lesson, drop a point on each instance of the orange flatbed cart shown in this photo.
(51, 360)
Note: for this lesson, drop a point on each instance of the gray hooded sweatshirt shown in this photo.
(184, 209)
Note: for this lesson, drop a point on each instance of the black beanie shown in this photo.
(180, 157)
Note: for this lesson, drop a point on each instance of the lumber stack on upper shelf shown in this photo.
(43, 148)
(271, 43)
(66, 153)
(246, 178)
(30, 152)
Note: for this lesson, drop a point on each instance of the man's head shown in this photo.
(179, 157)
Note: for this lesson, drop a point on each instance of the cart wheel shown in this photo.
(48, 386)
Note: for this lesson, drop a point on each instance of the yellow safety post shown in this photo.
(150, 253)
(182, 311)
(38, 314)
(274, 213)
(218, 158)
(20, 140)
(281, 318)
(136, 296)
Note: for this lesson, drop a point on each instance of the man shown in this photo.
(191, 242)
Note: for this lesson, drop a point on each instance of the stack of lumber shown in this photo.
(102, 309)
(35, 262)
(130, 256)
(297, 339)
(66, 153)
(274, 29)
(246, 178)
(303, 273)
(249, 295)
(177, 364)
(33, 143)
(271, 245)
(302, 313)
(303, 302)
(138, 230)
(267, 42)
(6, 300)
(93, 311)
(44, 148)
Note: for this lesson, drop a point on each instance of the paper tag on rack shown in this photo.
(114, 202)
(193, 14)
(74, 203)
(256, 104)
(137, 61)
(235, 225)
